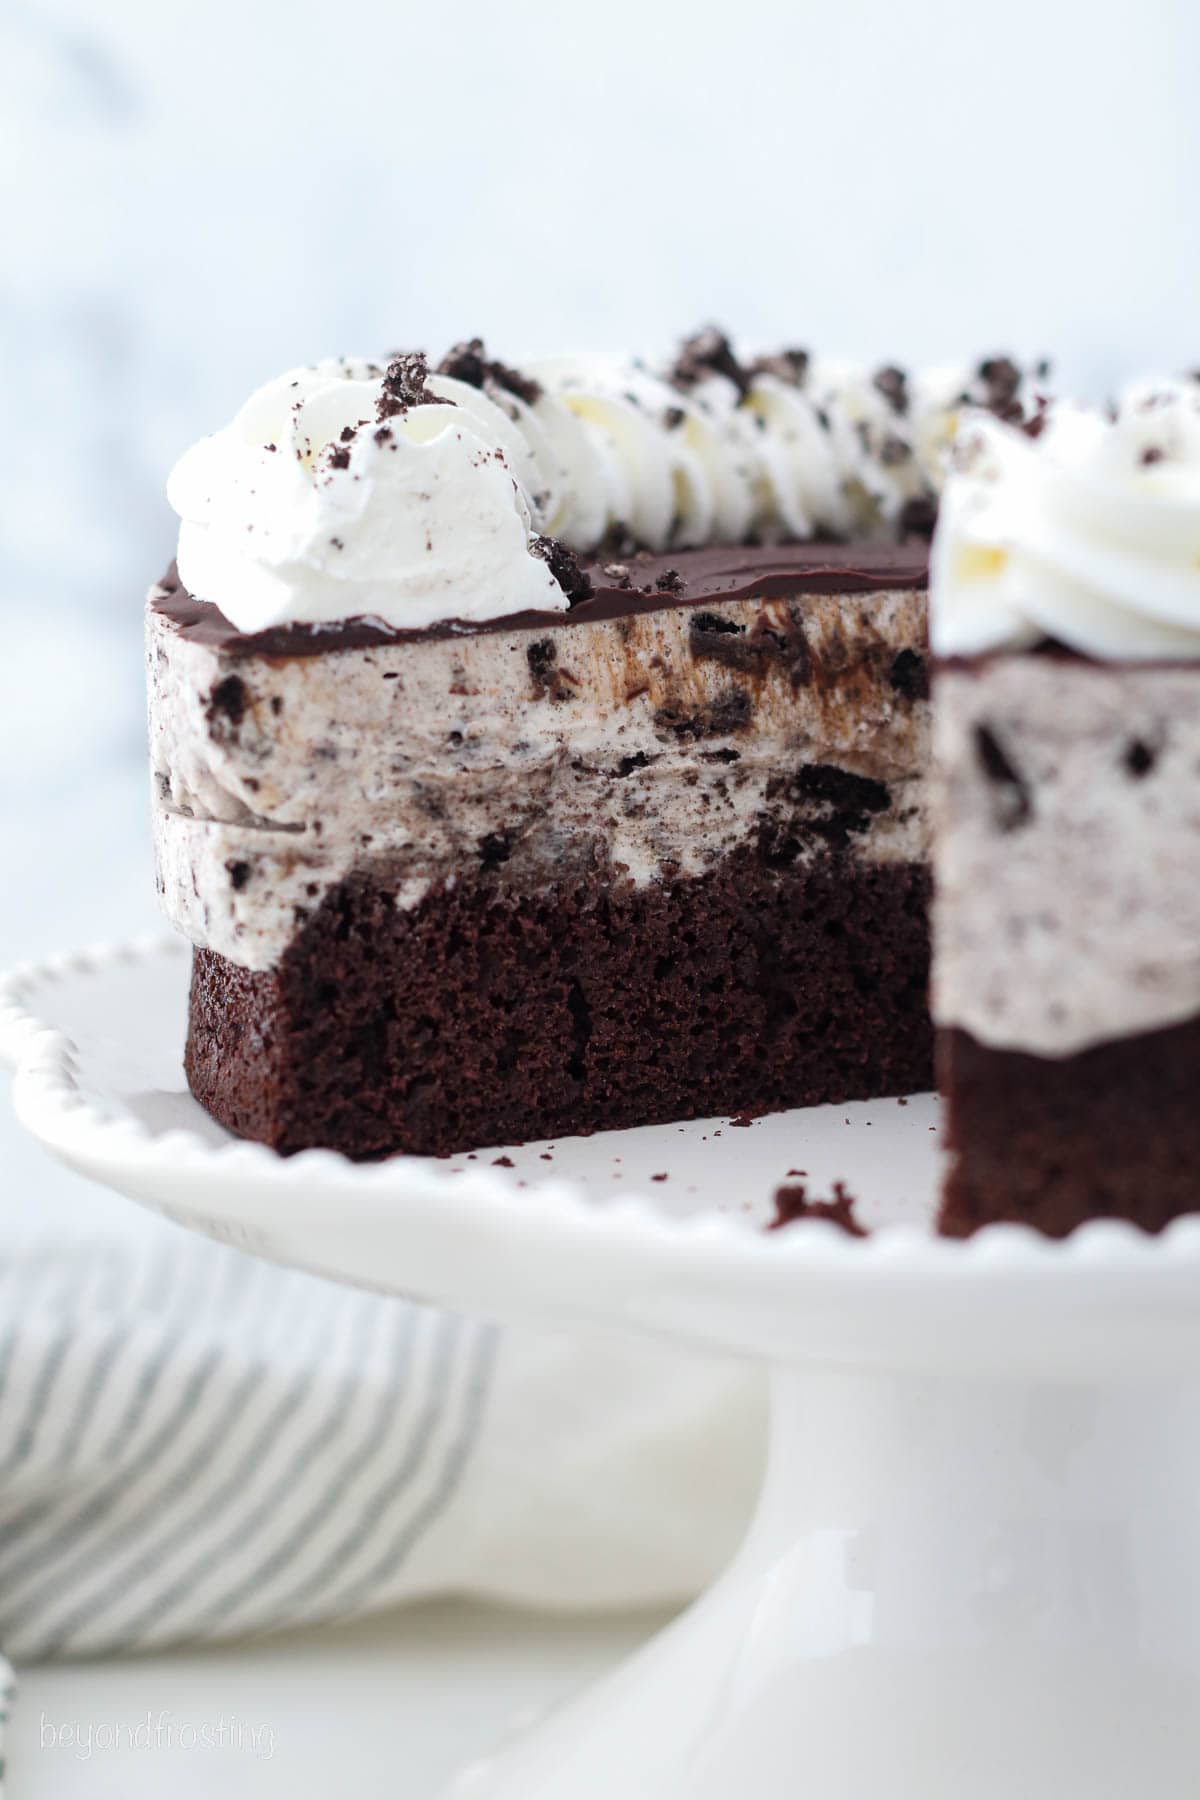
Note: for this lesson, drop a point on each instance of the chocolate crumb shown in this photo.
(893, 451)
(892, 383)
(790, 366)
(1013, 805)
(793, 1203)
(658, 1177)
(1002, 379)
(673, 417)
(1139, 758)
(549, 681)
(727, 713)
(669, 582)
(503, 1162)
(1151, 455)
(708, 352)
(918, 516)
(228, 699)
(494, 848)
(405, 384)
(469, 362)
(239, 875)
(564, 566)
(908, 675)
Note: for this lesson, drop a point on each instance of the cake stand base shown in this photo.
(953, 1590)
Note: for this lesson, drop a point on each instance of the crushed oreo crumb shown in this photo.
(470, 362)
(790, 366)
(704, 623)
(673, 417)
(550, 682)
(892, 383)
(1001, 379)
(239, 875)
(708, 352)
(494, 848)
(564, 566)
(228, 701)
(908, 675)
(541, 658)
(918, 516)
(405, 384)
(1013, 804)
(727, 713)
(669, 582)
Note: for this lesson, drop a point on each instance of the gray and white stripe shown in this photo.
(8, 1693)
(197, 1445)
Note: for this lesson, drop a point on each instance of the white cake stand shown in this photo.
(975, 1569)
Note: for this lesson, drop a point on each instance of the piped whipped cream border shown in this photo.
(359, 488)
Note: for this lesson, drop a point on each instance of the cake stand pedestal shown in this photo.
(975, 1569)
(953, 1590)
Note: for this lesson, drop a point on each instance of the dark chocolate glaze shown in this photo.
(740, 572)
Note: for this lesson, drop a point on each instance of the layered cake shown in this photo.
(1066, 816)
(540, 750)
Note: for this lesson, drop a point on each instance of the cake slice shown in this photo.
(1066, 817)
(544, 750)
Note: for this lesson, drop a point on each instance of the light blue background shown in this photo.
(198, 194)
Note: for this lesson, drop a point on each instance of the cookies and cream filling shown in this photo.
(650, 745)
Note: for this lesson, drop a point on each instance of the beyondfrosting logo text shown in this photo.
(160, 1731)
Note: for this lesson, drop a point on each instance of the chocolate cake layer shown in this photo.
(1113, 1132)
(641, 583)
(489, 1013)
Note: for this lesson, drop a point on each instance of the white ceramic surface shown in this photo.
(975, 1573)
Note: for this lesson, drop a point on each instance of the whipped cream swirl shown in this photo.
(1088, 533)
(311, 507)
(325, 500)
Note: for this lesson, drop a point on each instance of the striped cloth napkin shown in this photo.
(196, 1445)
